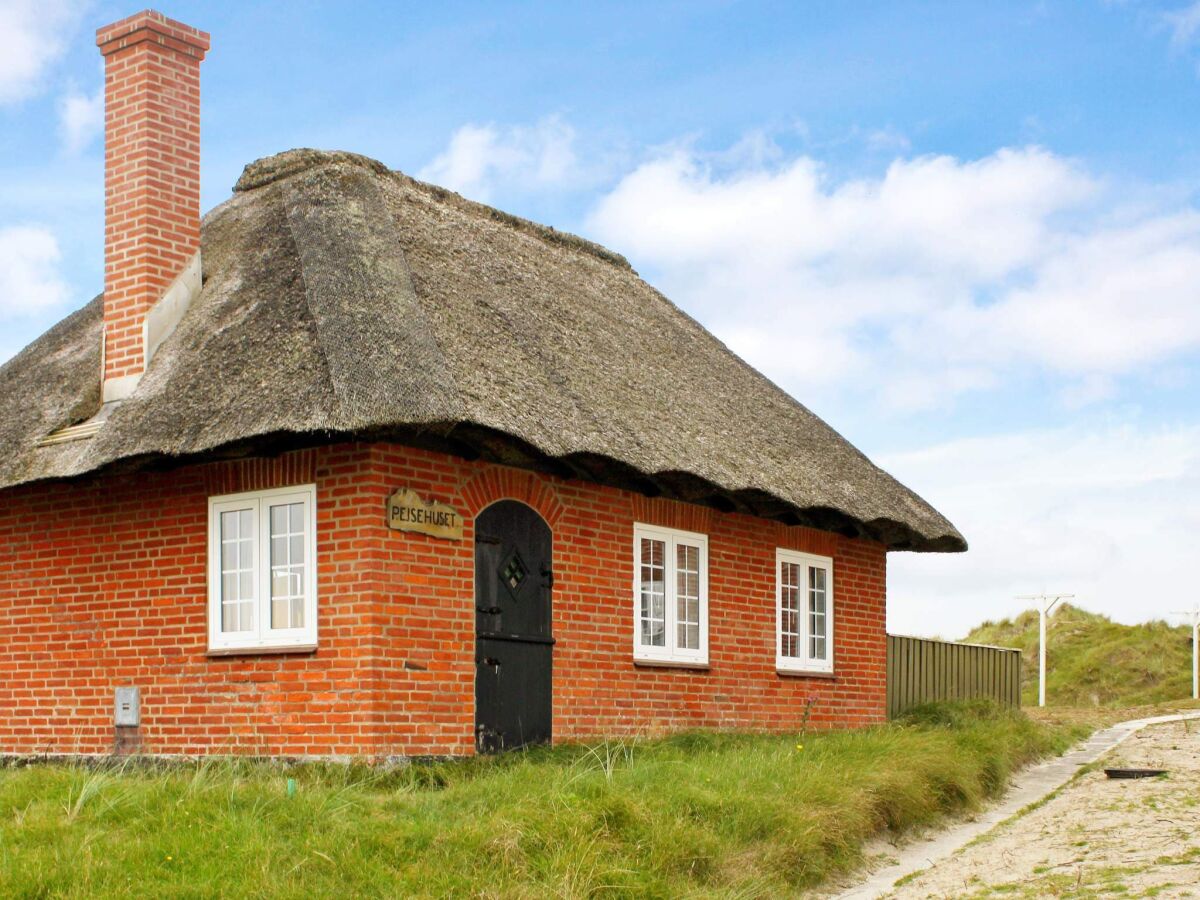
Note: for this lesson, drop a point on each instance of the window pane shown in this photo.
(237, 570)
(287, 565)
(653, 600)
(789, 607)
(816, 613)
(687, 597)
(281, 612)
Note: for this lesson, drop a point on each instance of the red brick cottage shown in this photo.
(354, 466)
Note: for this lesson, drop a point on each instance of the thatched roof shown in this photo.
(343, 299)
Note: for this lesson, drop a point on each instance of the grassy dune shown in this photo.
(693, 814)
(1093, 661)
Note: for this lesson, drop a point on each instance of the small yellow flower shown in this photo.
(799, 746)
(168, 859)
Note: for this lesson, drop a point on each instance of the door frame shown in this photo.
(475, 599)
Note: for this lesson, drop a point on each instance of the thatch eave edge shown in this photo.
(473, 441)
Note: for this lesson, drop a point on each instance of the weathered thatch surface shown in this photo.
(343, 299)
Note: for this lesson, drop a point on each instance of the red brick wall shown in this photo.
(151, 172)
(102, 583)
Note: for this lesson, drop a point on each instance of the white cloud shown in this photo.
(1109, 301)
(80, 119)
(979, 218)
(935, 279)
(888, 140)
(481, 159)
(29, 276)
(1108, 514)
(33, 35)
(1183, 23)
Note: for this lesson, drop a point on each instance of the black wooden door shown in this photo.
(514, 646)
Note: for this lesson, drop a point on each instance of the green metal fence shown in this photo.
(922, 671)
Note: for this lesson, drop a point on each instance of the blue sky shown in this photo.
(966, 234)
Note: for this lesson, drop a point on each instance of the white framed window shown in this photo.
(262, 570)
(670, 595)
(803, 612)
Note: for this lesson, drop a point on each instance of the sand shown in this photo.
(1095, 838)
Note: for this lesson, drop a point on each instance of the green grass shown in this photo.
(689, 815)
(1093, 661)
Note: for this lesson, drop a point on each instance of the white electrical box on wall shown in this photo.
(128, 707)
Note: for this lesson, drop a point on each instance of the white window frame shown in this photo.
(262, 637)
(804, 662)
(670, 654)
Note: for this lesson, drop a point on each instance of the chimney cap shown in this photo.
(151, 25)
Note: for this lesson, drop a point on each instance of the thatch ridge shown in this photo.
(264, 171)
(343, 300)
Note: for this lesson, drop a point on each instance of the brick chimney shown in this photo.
(151, 183)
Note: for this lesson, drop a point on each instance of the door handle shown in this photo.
(488, 661)
(489, 610)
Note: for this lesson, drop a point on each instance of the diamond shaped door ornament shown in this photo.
(513, 573)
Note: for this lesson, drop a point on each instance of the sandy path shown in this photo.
(1096, 838)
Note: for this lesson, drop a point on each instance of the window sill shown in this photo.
(702, 665)
(806, 673)
(261, 651)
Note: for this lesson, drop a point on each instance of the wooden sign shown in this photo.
(408, 512)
